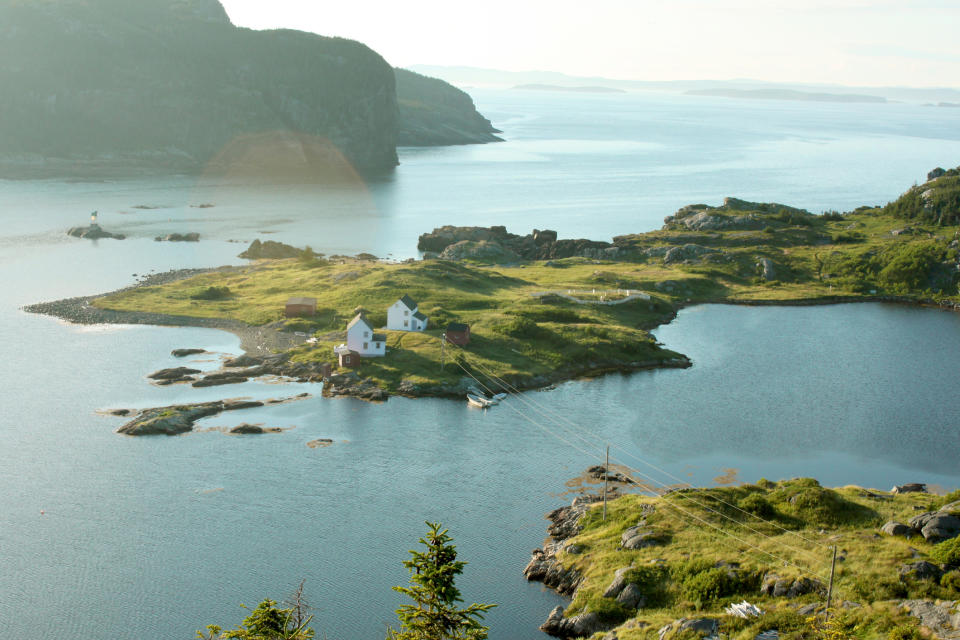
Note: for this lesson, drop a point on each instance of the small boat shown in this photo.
(499, 396)
(478, 401)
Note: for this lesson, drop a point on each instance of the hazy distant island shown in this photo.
(785, 94)
(556, 87)
(542, 309)
(192, 92)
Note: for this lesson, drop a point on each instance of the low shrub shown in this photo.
(518, 327)
(947, 552)
(758, 505)
(212, 293)
(951, 581)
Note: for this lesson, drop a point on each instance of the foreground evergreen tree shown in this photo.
(266, 622)
(435, 614)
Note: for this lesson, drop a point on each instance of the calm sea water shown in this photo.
(153, 538)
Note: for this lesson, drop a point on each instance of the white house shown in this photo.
(404, 316)
(362, 339)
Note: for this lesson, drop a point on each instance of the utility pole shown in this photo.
(833, 566)
(606, 473)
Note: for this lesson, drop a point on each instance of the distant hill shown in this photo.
(555, 87)
(479, 77)
(785, 94)
(434, 112)
(101, 86)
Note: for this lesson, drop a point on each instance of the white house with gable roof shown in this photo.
(362, 339)
(403, 315)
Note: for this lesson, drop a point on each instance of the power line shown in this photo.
(549, 414)
(516, 393)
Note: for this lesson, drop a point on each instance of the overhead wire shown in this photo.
(513, 391)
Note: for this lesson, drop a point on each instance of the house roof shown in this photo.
(379, 337)
(312, 301)
(457, 327)
(408, 301)
(419, 316)
(358, 318)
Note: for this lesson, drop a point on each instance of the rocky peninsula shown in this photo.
(660, 565)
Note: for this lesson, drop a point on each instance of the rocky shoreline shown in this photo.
(563, 564)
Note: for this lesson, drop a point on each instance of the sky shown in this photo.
(850, 42)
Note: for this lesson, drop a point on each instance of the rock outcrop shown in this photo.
(734, 214)
(177, 419)
(774, 585)
(93, 232)
(578, 626)
(179, 237)
(270, 250)
(495, 244)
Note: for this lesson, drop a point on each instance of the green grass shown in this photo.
(683, 579)
(520, 334)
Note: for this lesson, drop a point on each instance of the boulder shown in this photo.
(619, 582)
(921, 571)
(217, 379)
(707, 627)
(243, 361)
(483, 250)
(179, 237)
(766, 269)
(174, 373)
(936, 616)
(911, 487)
(181, 353)
(632, 597)
(774, 585)
(246, 429)
(898, 529)
(639, 538)
(585, 624)
(93, 232)
(941, 526)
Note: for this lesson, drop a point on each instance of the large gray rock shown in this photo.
(766, 269)
(921, 571)
(174, 373)
(483, 250)
(774, 585)
(910, 487)
(639, 538)
(632, 597)
(707, 627)
(579, 626)
(942, 526)
(898, 529)
(936, 617)
(618, 583)
(93, 232)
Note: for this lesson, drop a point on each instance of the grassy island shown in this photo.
(535, 321)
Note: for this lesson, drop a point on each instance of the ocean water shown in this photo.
(155, 537)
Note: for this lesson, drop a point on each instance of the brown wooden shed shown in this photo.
(349, 359)
(458, 333)
(297, 307)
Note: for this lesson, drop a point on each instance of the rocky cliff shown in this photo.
(433, 112)
(94, 85)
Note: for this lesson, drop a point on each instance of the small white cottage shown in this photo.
(362, 339)
(403, 315)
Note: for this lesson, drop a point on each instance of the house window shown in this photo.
(376, 345)
(366, 345)
(366, 334)
(406, 323)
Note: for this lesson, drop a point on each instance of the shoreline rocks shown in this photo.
(175, 420)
